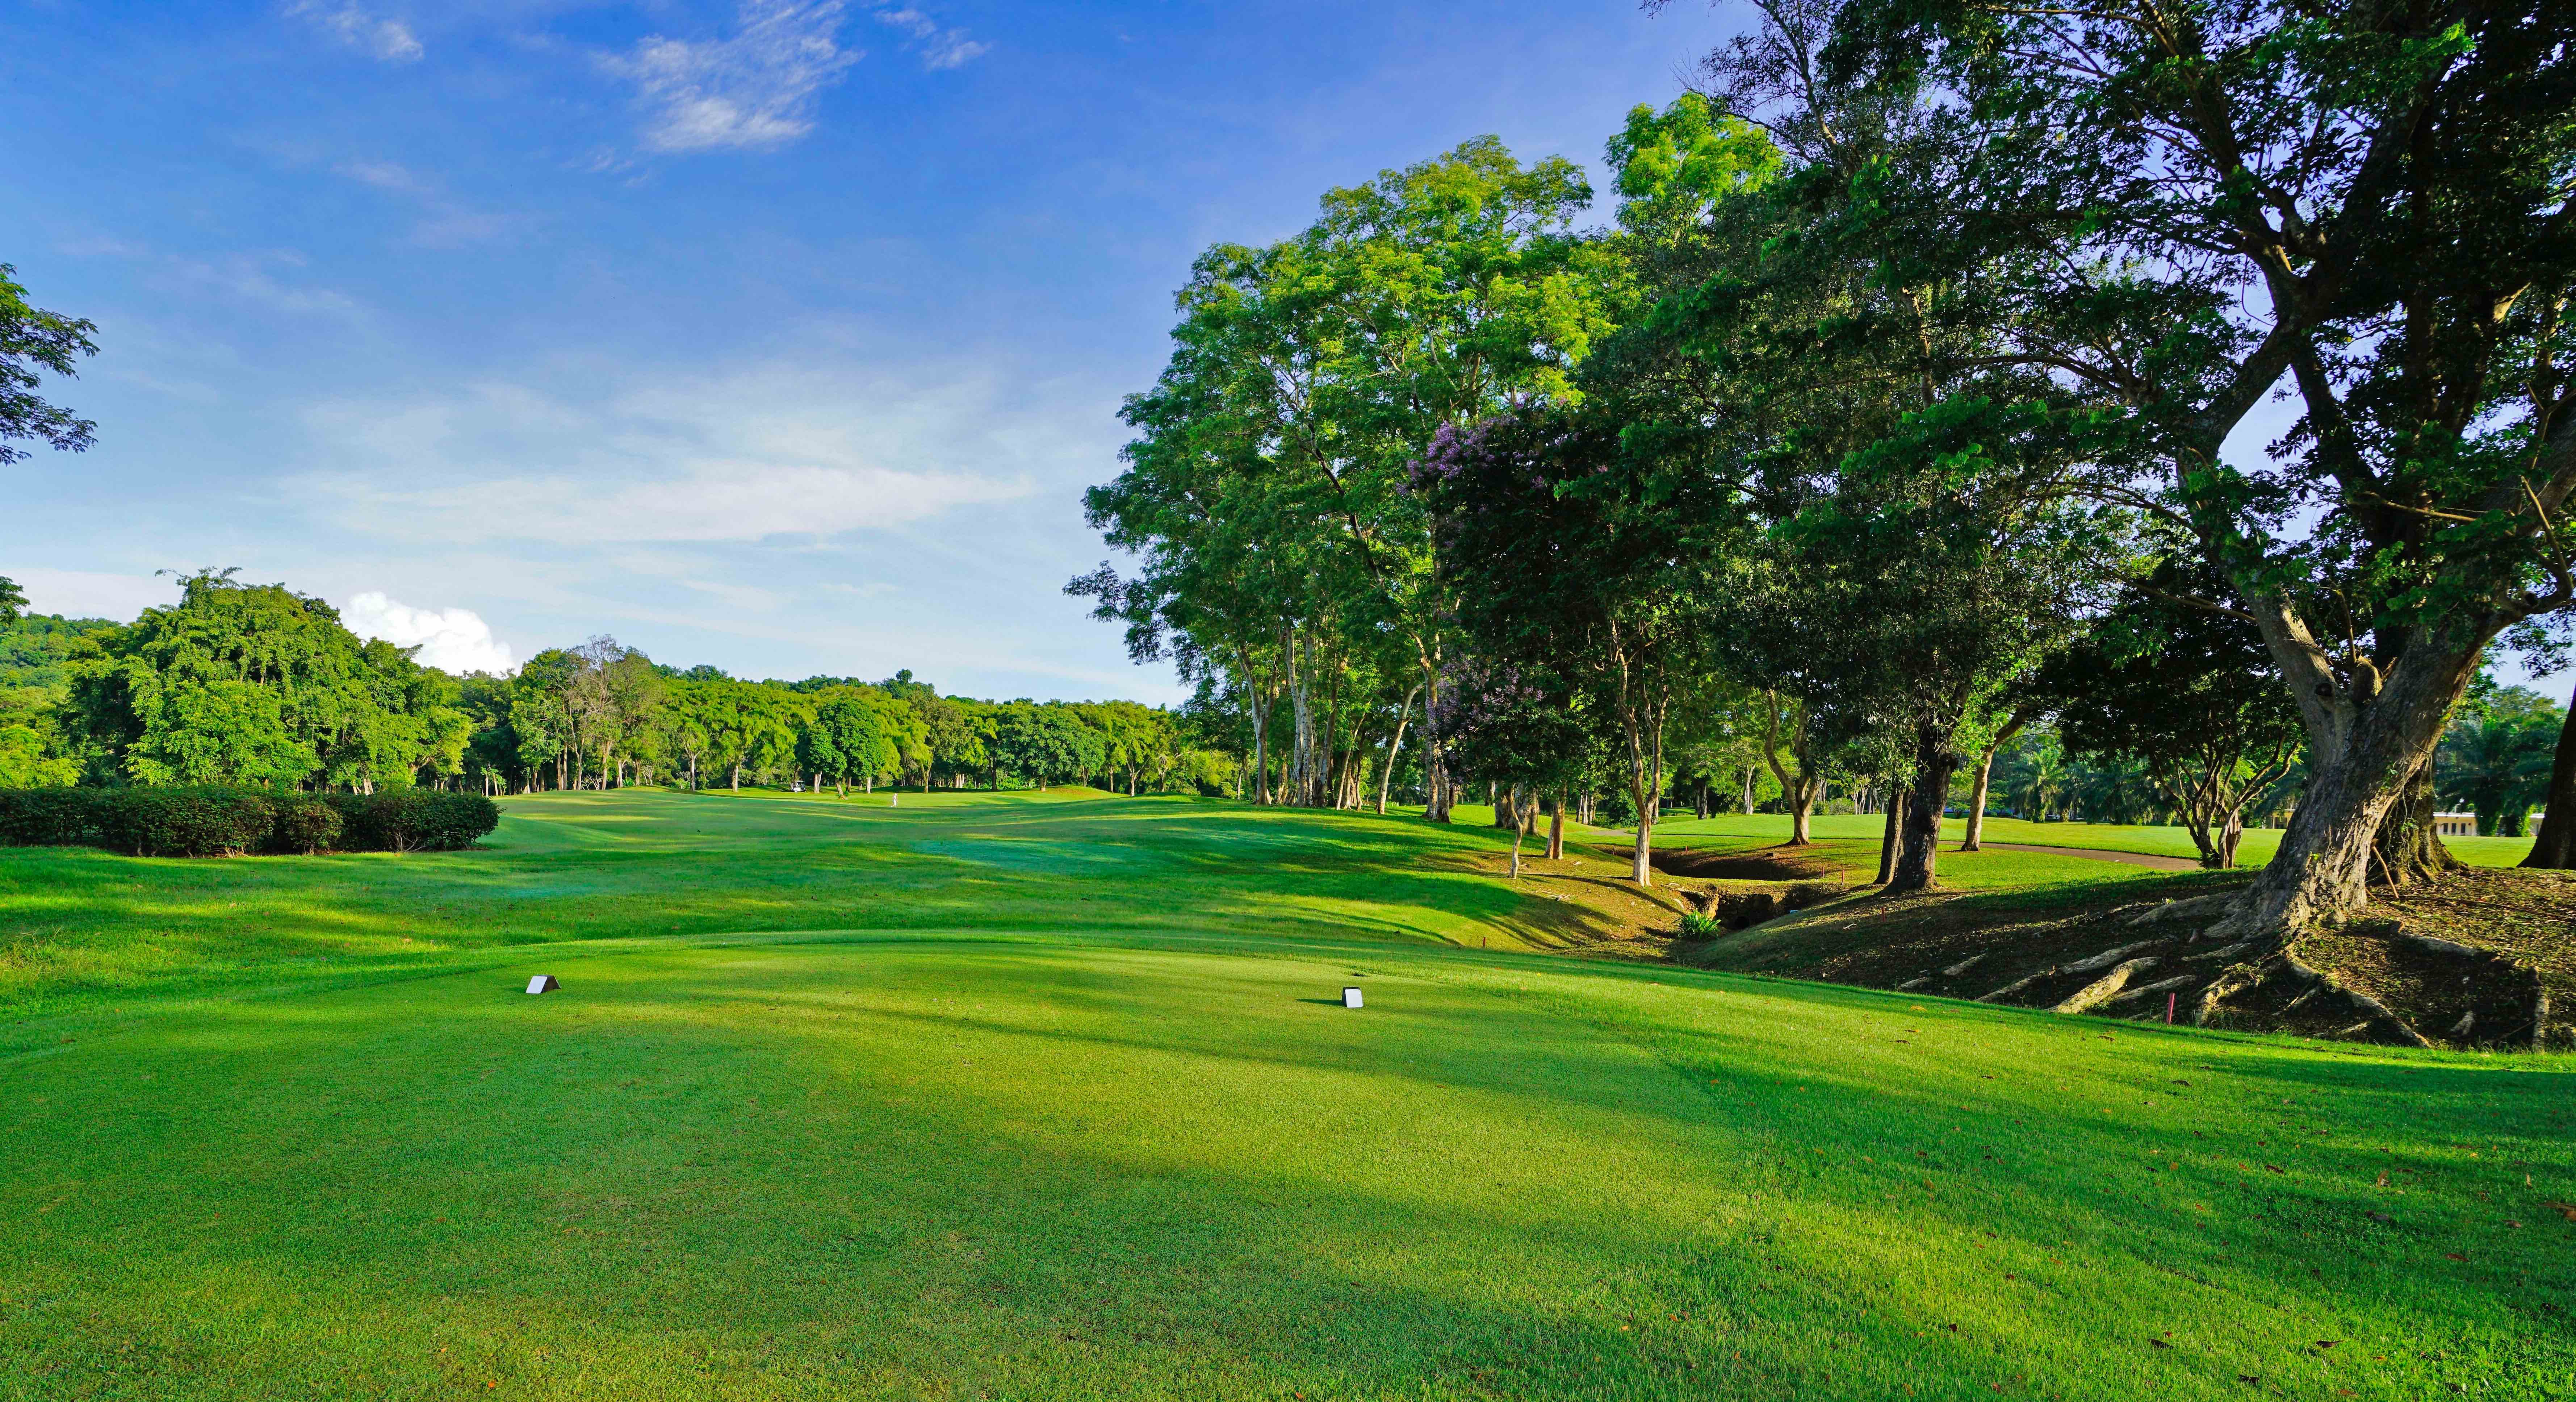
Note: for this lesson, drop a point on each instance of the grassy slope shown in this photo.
(1066, 1111)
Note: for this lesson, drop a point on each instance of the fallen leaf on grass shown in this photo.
(2566, 1210)
(2454, 1255)
(2379, 1216)
(2158, 1343)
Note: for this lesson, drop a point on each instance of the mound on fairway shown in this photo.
(1121, 1141)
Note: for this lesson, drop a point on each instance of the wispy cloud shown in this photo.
(939, 48)
(756, 88)
(244, 277)
(446, 221)
(452, 640)
(764, 452)
(383, 36)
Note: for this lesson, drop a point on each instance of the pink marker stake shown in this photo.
(2169, 1007)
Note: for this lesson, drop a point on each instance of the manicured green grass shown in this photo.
(1114, 1137)
(1759, 828)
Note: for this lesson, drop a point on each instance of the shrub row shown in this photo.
(219, 822)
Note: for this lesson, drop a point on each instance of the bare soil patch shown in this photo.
(1768, 864)
(2479, 959)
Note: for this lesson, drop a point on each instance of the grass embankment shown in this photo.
(1110, 1136)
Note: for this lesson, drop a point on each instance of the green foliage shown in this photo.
(413, 820)
(1700, 925)
(1048, 744)
(2188, 696)
(33, 342)
(2495, 759)
(257, 685)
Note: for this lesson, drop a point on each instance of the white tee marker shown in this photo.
(1350, 997)
(543, 983)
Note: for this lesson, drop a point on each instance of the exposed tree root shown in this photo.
(2149, 990)
(1963, 966)
(2103, 989)
(1913, 983)
(2184, 910)
(2285, 962)
(2106, 958)
(2017, 985)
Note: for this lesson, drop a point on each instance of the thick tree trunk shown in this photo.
(2408, 848)
(1918, 844)
(1517, 833)
(2555, 848)
(1556, 828)
(2323, 868)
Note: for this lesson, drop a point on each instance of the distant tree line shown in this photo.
(258, 686)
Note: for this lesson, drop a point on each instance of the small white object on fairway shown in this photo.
(543, 983)
(1350, 997)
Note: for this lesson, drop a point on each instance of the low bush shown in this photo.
(214, 821)
(48, 817)
(1698, 925)
(183, 822)
(413, 820)
(305, 823)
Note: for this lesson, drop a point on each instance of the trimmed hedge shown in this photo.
(413, 820)
(213, 821)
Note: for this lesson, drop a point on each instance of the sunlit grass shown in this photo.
(1756, 829)
(1055, 1099)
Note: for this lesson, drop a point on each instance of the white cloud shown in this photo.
(754, 89)
(939, 48)
(446, 222)
(382, 36)
(452, 640)
(92, 594)
(242, 276)
(799, 450)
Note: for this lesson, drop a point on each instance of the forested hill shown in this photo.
(33, 649)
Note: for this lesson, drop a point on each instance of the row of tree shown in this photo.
(258, 685)
(1899, 410)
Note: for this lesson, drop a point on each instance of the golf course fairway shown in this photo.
(798, 1124)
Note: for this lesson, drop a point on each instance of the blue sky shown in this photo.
(775, 334)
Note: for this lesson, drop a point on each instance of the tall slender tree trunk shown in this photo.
(2554, 849)
(1435, 780)
(1395, 746)
(1972, 839)
(1973, 831)
(1556, 828)
(1887, 847)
